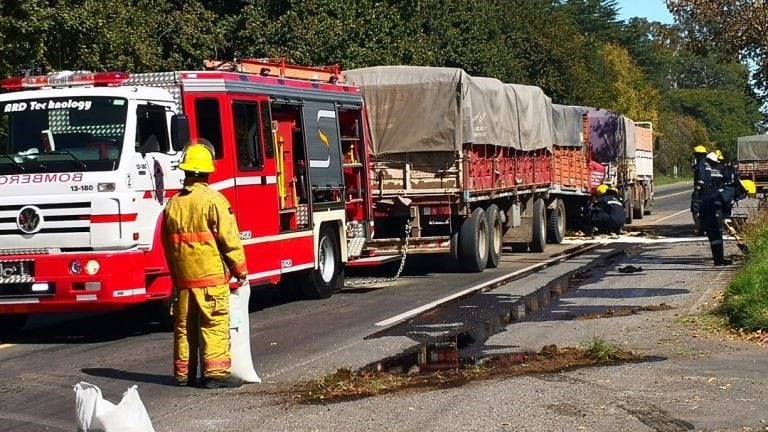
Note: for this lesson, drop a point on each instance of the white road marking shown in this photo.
(672, 215)
(671, 195)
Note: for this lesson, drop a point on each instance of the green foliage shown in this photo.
(745, 301)
(726, 114)
(601, 350)
(576, 50)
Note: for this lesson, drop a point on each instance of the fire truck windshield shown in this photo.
(62, 134)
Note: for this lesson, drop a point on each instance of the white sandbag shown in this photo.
(96, 414)
(240, 335)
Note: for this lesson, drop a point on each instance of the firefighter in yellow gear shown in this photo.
(203, 249)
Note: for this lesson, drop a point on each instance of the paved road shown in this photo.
(291, 339)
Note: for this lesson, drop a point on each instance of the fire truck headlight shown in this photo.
(75, 267)
(105, 187)
(92, 267)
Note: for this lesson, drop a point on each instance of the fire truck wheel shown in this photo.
(473, 242)
(329, 274)
(158, 312)
(12, 324)
(495, 236)
(539, 223)
(556, 223)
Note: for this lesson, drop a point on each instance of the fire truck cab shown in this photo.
(88, 160)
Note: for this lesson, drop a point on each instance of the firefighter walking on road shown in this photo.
(203, 250)
(715, 197)
(607, 215)
(697, 167)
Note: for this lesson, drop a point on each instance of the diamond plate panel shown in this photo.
(169, 81)
(302, 215)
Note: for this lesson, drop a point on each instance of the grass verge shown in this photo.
(745, 301)
(660, 180)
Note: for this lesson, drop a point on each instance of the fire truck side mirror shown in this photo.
(179, 131)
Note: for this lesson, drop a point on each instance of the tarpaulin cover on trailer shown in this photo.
(568, 124)
(428, 109)
(752, 148)
(534, 113)
(608, 135)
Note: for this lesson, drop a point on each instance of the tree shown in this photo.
(629, 92)
(729, 29)
(22, 22)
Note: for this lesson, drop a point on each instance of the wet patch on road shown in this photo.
(439, 366)
(622, 311)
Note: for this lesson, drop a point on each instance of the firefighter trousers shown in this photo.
(710, 224)
(201, 324)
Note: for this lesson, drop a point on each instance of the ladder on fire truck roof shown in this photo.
(278, 67)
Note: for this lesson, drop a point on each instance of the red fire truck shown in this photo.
(87, 161)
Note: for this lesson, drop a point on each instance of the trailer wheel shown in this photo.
(329, 274)
(12, 324)
(473, 242)
(638, 210)
(649, 206)
(556, 223)
(628, 209)
(539, 237)
(495, 234)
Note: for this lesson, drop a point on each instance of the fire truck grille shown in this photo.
(52, 218)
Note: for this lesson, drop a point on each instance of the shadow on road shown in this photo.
(130, 376)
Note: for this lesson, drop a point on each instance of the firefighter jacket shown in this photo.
(201, 238)
(711, 179)
(613, 209)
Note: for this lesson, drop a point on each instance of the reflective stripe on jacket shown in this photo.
(201, 238)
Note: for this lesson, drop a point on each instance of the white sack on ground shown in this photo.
(96, 414)
(240, 335)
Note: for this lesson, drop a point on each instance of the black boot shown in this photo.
(228, 382)
(719, 255)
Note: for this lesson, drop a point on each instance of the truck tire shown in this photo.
(495, 235)
(556, 223)
(539, 224)
(628, 208)
(329, 274)
(12, 324)
(473, 242)
(638, 209)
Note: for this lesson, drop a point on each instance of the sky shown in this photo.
(654, 10)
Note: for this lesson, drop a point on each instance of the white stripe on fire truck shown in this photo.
(130, 292)
(244, 181)
(277, 237)
(19, 301)
(261, 275)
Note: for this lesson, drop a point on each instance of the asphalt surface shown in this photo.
(294, 340)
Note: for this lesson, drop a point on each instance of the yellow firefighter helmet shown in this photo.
(700, 149)
(602, 189)
(749, 186)
(197, 159)
(719, 154)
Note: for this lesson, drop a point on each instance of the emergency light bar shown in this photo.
(64, 79)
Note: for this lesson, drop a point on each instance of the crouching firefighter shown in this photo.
(607, 214)
(203, 250)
